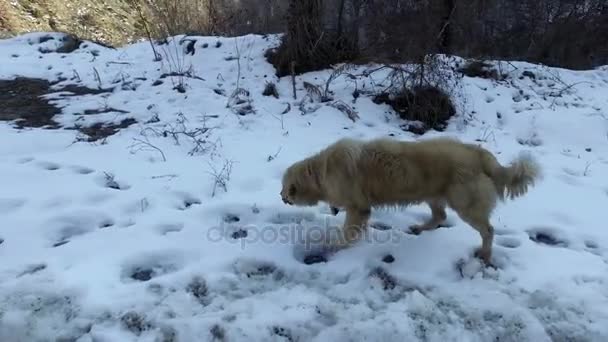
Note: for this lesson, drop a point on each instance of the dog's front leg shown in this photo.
(354, 227)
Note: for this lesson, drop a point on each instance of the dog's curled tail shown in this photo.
(514, 180)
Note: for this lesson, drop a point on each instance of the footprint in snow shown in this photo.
(9, 205)
(256, 269)
(56, 202)
(65, 228)
(594, 248)
(292, 217)
(167, 228)
(96, 198)
(508, 242)
(32, 269)
(108, 180)
(148, 266)
(50, 166)
(25, 160)
(106, 223)
(82, 170)
(504, 231)
(312, 252)
(185, 200)
(547, 236)
(380, 226)
(591, 245)
(252, 185)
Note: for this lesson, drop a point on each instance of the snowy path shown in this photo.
(108, 241)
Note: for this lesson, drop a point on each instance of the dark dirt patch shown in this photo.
(102, 130)
(23, 103)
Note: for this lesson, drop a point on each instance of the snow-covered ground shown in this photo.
(182, 236)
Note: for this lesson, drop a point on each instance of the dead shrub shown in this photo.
(481, 69)
(271, 90)
(424, 107)
(306, 46)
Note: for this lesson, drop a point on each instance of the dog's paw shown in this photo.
(485, 256)
(415, 230)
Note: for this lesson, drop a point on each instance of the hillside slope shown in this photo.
(172, 228)
(108, 21)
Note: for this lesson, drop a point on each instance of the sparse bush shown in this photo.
(478, 68)
(271, 90)
(213, 17)
(307, 46)
(428, 105)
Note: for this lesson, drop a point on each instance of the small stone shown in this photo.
(389, 259)
(142, 275)
(588, 149)
(231, 218)
(314, 259)
(529, 74)
(239, 234)
(60, 243)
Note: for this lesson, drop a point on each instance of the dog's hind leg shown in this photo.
(474, 203)
(485, 229)
(438, 216)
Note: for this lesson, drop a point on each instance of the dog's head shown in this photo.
(298, 187)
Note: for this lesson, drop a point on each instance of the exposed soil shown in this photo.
(23, 103)
(102, 130)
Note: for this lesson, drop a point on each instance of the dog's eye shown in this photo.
(292, 190)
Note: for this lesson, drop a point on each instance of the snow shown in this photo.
(80, 220)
